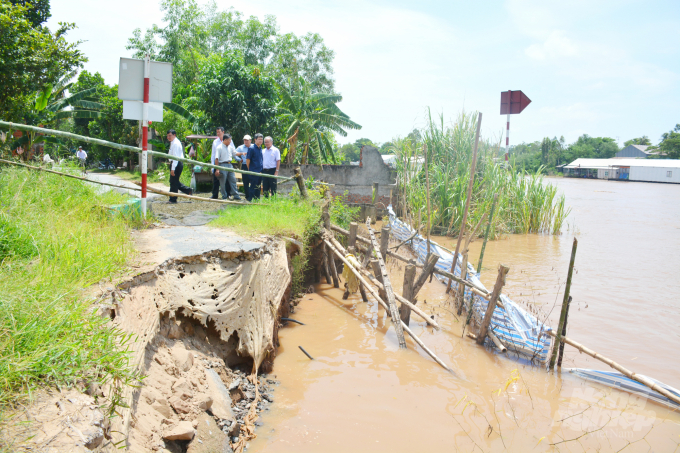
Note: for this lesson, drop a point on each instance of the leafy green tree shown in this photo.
(235, 95)
(37, 11)
(669, 147)
(350, 152)
(193, 33)
(591, 147)
(364, 141)
(310, 119)
(31, 57)
(644, 140)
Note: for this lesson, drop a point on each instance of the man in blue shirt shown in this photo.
(254, 163)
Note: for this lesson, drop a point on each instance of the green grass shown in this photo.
(57, 237)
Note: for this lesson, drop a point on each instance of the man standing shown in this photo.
(215, 145)
(241, 152)
(225, 153)
(254, 162)
(271, 160)
(176, 166)
(82, 156)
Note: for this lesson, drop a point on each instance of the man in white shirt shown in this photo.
(271, 161)
(81, 155)
(225, 154)
(215, 145)
(176, 166)
(241, 152)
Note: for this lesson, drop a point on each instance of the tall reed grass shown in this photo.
(526, 203)
(57, 237)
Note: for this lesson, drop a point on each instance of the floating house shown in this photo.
(626, 169)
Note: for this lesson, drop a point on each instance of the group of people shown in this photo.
(250, 156)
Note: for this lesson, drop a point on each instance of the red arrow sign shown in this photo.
(513, 102)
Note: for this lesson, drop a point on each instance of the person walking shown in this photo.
(223, 159)
(82, 157)
(271, 161)
(254, 163)
(176, 166)
(241, 152)
(215, 145)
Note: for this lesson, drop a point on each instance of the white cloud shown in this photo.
(555, 46)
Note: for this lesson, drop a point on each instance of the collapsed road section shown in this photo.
(205, 321)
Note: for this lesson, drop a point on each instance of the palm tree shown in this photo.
(310, 118)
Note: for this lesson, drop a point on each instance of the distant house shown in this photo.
(636, 151)
(630, 169)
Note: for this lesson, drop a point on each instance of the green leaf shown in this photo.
(43, 98)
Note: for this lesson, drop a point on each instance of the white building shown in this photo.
(626, 169)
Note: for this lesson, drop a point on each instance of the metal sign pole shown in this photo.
(145, 130)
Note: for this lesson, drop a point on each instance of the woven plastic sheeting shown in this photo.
(517, 329)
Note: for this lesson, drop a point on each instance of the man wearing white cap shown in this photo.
(240, 154)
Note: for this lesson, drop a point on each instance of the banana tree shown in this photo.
(310, 119)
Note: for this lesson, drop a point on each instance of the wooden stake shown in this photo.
(352, 250)
(565, 305)
(498, 287)
(564, 332)
(626, 372)
(324, 265)
(427, 270)
(381, 302)
(375, 197)
(394, 313)
(300, 182)
(407, 293)
(384, 241)
(461, 288)
(467, 201)
(353, 229)
(480, 291)
(486, 235)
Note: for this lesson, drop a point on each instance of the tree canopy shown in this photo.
(31, 56)
(644, 140)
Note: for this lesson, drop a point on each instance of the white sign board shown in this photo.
(132, 110)
(131, 81)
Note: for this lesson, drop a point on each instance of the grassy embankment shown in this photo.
(526, 203)
(287, 216)
(56, 238)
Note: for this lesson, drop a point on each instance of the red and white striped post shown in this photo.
(145, 130)
(507, 139)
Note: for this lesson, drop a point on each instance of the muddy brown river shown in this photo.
(361, 393)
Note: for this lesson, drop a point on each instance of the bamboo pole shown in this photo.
(375, 265)
(498, 287)
(467, 201)
(378, 285)
(486, 235)
(565, 305)
(352, 250)
(394, 313)
(381, 302)
(407, 293)
(461, 288)
(626, 372)
(427, 188)
(480, 291)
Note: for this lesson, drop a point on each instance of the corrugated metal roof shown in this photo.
(642, 147)
(624, 162)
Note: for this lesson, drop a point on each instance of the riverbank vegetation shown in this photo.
(56, 238)
(526, 203)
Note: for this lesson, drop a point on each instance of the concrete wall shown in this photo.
(356, 180)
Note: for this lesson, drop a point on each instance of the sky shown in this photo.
(597, 67)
